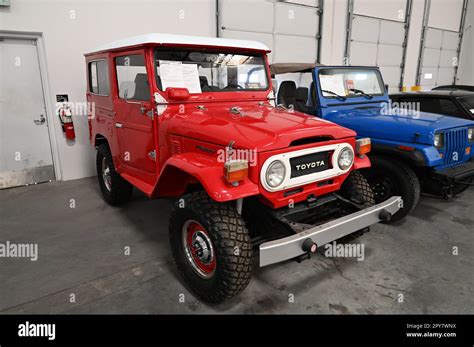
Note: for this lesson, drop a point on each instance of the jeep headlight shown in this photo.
(275, 174)
(470, 134)
(345, 159)
(439, 140)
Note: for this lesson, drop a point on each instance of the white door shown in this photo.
(289, 28)
(25, 149)
(377, 37)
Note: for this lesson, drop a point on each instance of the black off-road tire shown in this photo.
(230, 240)
(402, 179)
(358, 190)
(121, 190)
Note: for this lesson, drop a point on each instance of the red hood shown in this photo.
(262, 127)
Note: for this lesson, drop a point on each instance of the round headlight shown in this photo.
(470, 134)
(275, 174)
(345, 159)
(438, 140)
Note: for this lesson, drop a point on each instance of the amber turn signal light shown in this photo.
(236, 170)
(363, 146)
(468, 150)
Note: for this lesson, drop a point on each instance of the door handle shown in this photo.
(118, 125)
(40, 121)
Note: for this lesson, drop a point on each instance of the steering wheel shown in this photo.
(234, 86)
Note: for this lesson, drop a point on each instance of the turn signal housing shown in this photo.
(236, 170)
(363, 146)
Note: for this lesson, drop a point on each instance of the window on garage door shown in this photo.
(441, 41)
(376, 36)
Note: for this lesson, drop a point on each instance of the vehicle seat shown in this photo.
(142, 89)
(287, 94)
(302, 100)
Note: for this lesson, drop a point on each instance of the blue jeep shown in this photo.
(412, 151)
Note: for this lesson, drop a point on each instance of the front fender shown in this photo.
(183, 169)
(362, 163)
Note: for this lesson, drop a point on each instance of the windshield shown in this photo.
(468, 102)
(346, 83)
(210, 71)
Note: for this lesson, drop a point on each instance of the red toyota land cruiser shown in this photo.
(194, 118)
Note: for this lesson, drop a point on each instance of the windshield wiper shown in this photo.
(340, 97)
(358, 91)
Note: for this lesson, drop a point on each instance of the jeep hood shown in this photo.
(262, 127)
(410, 126)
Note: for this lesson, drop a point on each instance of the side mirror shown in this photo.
(177, 93)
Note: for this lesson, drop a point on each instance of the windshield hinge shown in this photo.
(152, 155)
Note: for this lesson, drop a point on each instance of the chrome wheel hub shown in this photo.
(106, 175)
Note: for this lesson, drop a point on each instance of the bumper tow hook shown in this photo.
(385, 216)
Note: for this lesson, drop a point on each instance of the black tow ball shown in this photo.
(308, 246)
(385, 216)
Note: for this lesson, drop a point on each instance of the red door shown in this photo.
(133, 121)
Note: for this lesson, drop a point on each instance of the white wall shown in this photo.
(413, 44)
(72, 27)
(466, 61)
(334, 32)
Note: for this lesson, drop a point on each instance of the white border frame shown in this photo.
(289, 182)
(49, 107)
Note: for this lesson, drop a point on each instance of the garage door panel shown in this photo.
(445, 76)
(363, 53)
(393, 9)
(391, 33)
(248, 15)
(266, 39)
(447, 59)
(288, 49)
(428, 76)
(391, 75)
(450, 40)
(389, 55)
(431, 57)
(434, 38)
(296, 20)
(365, 29)
(313, 3)
(445, 14)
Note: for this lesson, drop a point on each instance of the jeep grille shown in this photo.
(455, 146)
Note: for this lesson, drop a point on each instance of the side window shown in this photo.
(429, 105)
(449, 108)
(99, 77)
(132, 79)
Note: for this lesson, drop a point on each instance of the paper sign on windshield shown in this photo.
(332, 83)
(174, 74)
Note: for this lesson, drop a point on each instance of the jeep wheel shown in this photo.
(211, 247)
(391, 177)
(115, 189)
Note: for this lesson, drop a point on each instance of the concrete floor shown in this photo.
(81, 252)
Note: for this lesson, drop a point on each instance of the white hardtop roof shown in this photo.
(170, 39)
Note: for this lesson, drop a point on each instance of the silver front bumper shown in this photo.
(290, 247)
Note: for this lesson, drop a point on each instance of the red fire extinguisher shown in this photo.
(65, 115)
